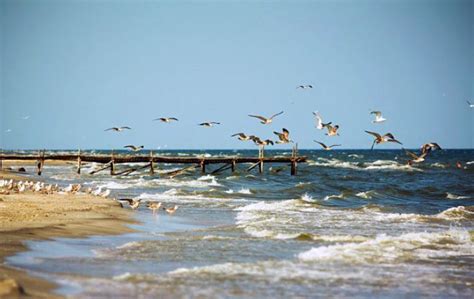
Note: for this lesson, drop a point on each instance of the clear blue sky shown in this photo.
(79, 67)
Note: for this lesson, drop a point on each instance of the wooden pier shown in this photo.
(152, 161)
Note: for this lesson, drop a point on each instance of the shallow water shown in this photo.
(351, 223)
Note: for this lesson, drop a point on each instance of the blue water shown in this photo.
(351, 223)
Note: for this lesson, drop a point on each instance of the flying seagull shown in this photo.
(471, 105)
(319, 121)
(304, 86)
(134, 147)
(209, 124)
(265, 120)
(133, 202)
(416, 158)
(428, 147)
(382, 139)
(261, 142)
(378, 117)
(243, 137)
(332, 131)
(325, 147)
(118, 129)
(25, 117)
(166, 119)
(284, 136)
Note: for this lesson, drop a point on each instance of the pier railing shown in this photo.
(151, 161)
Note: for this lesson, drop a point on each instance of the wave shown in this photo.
(403, 248)
(454, 196)
(376, 165)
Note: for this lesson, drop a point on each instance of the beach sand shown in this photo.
(31, 216)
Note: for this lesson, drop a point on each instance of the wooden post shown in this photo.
(112, 166)
(203, 167)
(260, 166)
(233, 165)
(40, 162)
(293, 167)
(79, 162)
(152, 170)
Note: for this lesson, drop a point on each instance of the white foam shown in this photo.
(454, 196)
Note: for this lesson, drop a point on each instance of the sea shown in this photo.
(350, 224)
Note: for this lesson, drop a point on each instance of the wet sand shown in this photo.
(30, 216)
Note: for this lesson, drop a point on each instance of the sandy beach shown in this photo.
(29, 216)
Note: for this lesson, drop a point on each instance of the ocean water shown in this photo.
(352, 223)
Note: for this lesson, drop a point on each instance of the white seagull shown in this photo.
(243, 137)
(378, 117)
(134, 147)
(471, 105)
(166, 119)
(325, 147)
(309, 86)
(265, 120)
(209, 124)
(118, 129)
(319, 121)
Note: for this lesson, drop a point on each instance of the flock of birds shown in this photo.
(284, 135)
(8, 187)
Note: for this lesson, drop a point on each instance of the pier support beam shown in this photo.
(294, 167)
(203, 167)
(112, 164)
(152, 169)
(260, 166)
(79, 163)
(233, 166)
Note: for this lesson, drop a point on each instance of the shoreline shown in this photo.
(30, 216)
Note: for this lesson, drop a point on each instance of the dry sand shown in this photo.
(30, 216)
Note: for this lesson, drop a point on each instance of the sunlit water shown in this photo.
(351, 223)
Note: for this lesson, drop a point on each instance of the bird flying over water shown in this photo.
(134, 147)
(25, 117)
(209, 124)
(133, 202)
(265, 120)
(428, 147)
(261, 142)
(378, 117)
(166, 119)
(319, 121)
(304, 86)
(332, 131)
(382, 139)
(118, 129)
(471, 105)
(284, 136)
(243, 137)
(416, 158)
(325, 147)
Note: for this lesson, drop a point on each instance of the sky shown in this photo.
(71, 69)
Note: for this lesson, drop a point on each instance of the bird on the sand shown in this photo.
(332, 130)
(243, 136)
(266, 120)
(325, 147)
(209, 124)
(118, 129)
(284, 136)
(166, 119)
(378, 117)
(382, 139)
(171, 210)
(134, 148)
(154, 205)
(319, 121)
(309, 86)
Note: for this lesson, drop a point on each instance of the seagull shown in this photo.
(166, 119)
(319, 121)
(265, 120)
(171, 210)
(118, 129)
(426, 148)
(261, 142)
(209, 124)
(325, 147)
(304, 86)
(332, 131)
(153, 205)
(416, 159)
(243, 137)
(471, 105)
(378, 117)
(25, 117)
(134, 147)
(284, 137)
(8, 130)
(134, 203)
(382, 139)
